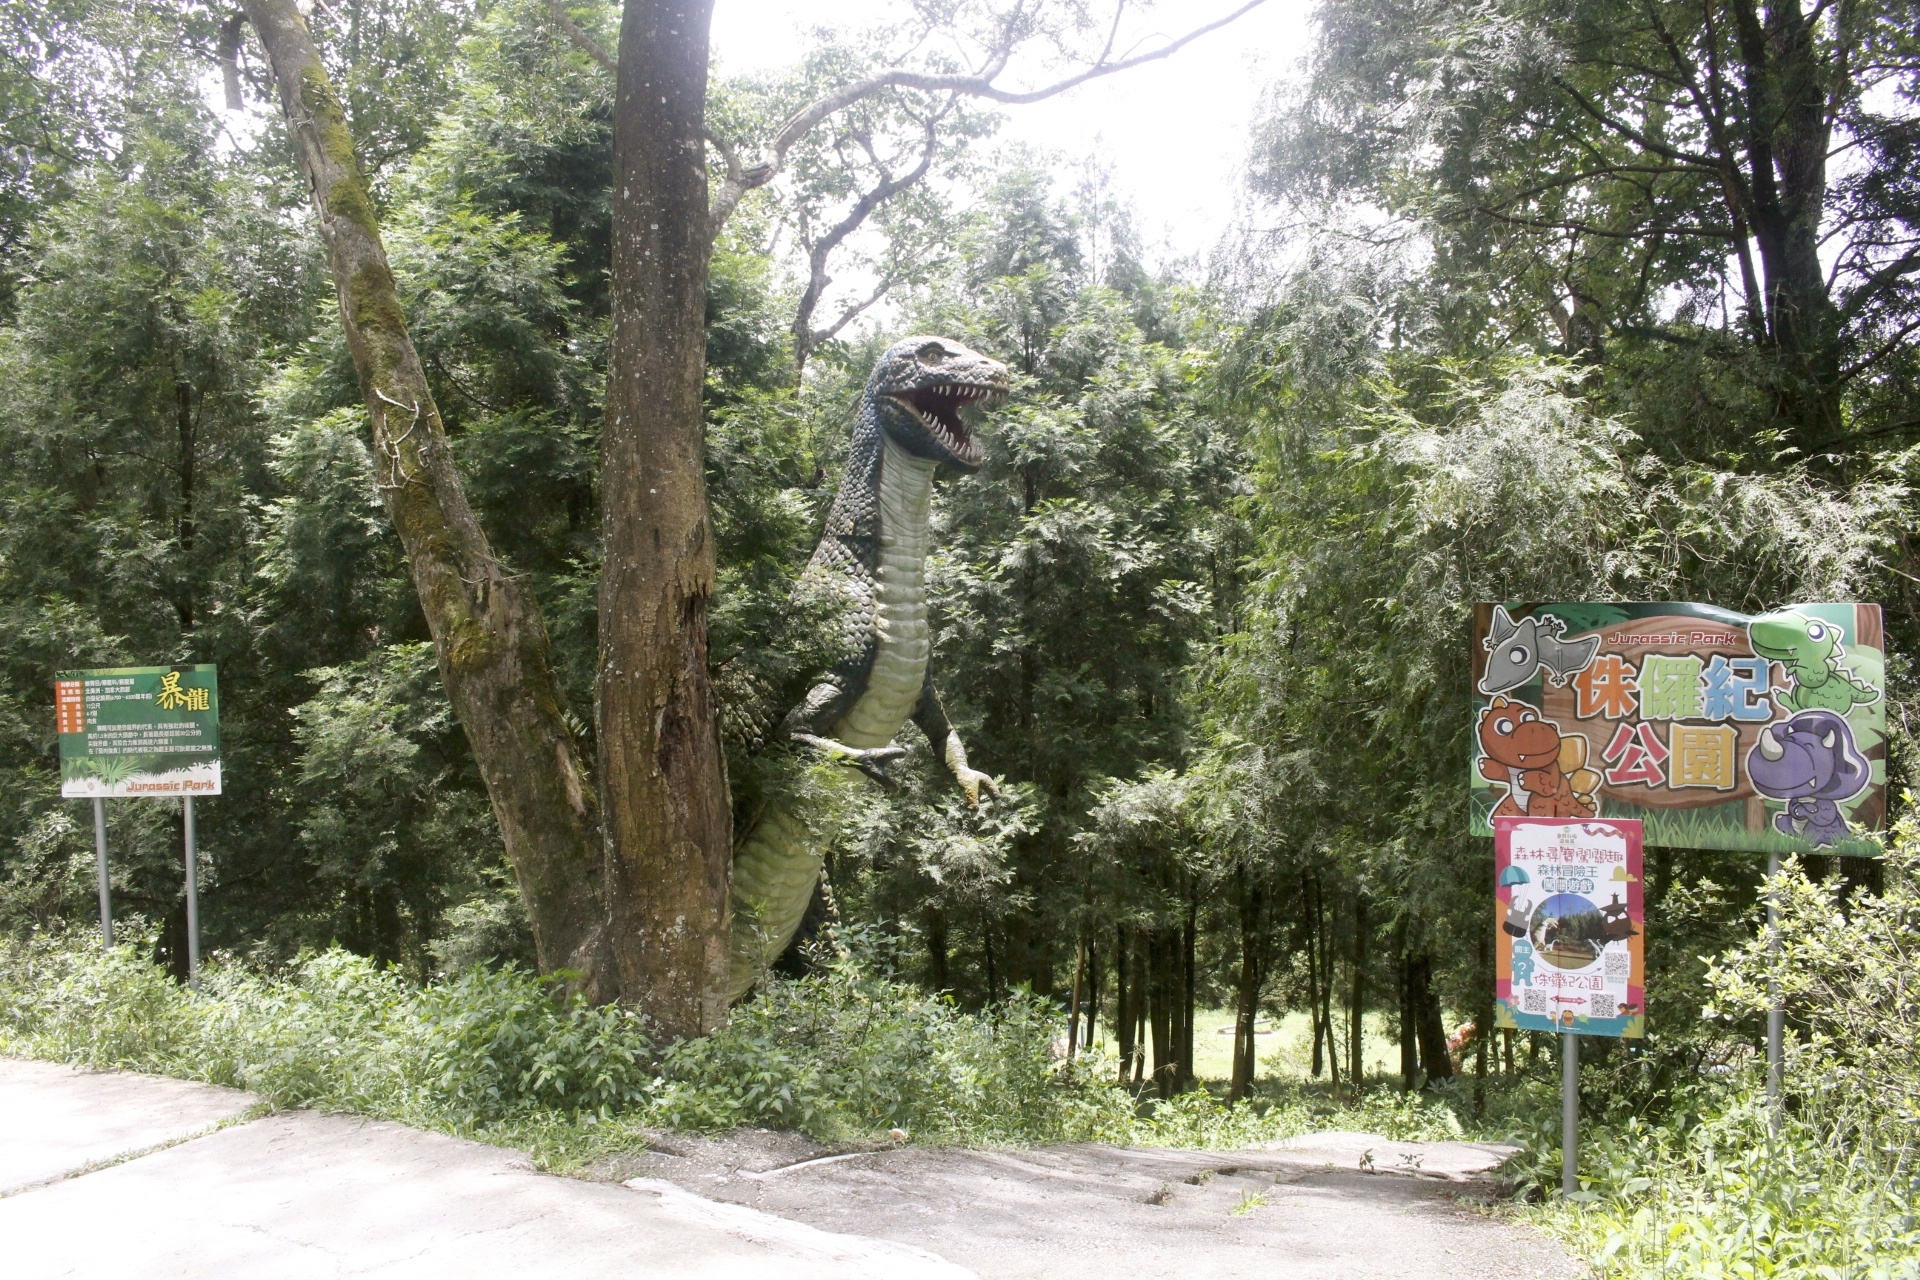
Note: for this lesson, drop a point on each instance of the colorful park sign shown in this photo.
(138, 731)
(1720, 730)
(1570, 926)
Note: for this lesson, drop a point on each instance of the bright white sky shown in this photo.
(1174, 133)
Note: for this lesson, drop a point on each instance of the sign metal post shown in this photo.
(193, 896)
(1776, 1012)
(100, 866)
(1569, 1113)
(141, 732)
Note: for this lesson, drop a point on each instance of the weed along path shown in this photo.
(112, 1174)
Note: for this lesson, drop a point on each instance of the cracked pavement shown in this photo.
(114, 1174)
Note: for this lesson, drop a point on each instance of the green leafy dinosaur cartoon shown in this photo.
(1811, 651)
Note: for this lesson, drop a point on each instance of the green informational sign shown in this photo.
(1719, 730)
(138, 731)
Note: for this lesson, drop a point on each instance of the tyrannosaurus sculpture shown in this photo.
(874, 551)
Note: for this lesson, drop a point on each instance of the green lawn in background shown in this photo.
(1285, 1051)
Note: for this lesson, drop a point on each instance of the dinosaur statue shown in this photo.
(1811, 651)
(874, 551)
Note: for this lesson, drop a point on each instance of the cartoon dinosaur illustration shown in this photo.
(1812, 652)
(1544, 771)
(1517, 649)
(1810, 762)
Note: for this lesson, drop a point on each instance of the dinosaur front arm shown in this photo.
(944, 738)
(825, 703)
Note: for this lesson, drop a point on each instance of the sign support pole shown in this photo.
(193, 898)
(1776, 1013)
(1569, 1113)
(100, 864)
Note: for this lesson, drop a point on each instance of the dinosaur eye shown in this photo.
(1517, 655)
(1503, 726)
(931, 353)
(1526, 717)
(1816, 632)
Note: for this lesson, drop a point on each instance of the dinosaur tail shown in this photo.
(775, 867)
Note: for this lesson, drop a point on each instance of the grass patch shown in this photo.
(844, 1056)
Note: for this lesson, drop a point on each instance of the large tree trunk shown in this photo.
(491, 643)
(1788, 138)
(669, 843)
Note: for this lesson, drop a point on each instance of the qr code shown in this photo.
(1603, 1006)
(1535, 1002)
(1619, 965)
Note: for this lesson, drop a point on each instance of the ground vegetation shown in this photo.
(1601, 302)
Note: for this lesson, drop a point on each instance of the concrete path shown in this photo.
(117, 1175)
(1332, 1206)
(297, 1194)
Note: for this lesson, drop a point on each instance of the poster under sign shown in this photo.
(1570, 926)
(138, 731)
(1720, 730)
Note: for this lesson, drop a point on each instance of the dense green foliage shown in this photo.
(1541, 319)
(846, 1054)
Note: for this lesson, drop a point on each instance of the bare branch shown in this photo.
(853, 312)
(979, 84)
(805, 337)
(586, 43)
(1885, 349)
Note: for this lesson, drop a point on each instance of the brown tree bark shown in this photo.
(1142, 1002)
(937, 949)
(1073, 1005)
(1429, 1027)
(1409, 1044)
(1189, 935)
(669, 829)
(488, 635)
(1247, 996)
(1093, 988)
(1789, 135)
(1356, 1007)
(1125, 993)
(1162, 985)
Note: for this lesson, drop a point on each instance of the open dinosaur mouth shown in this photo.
(938, 408)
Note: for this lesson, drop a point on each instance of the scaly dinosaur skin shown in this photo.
(874, 551)
(1811, 651)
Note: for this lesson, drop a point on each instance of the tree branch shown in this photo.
(586, 43)
(1880, 353)
(979, 84)
(805, 337)
(853, 312)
